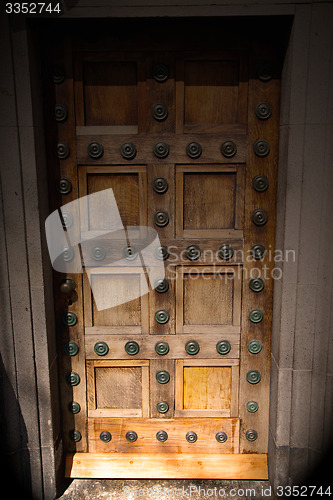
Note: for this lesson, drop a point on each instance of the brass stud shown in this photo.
(63, 185)
(193, 252)
(160, 73)
(193, 150)
(105, 436)
(101, 348)
(60, 113)
(251, 435)
(95, 150)
(128, 151)
(160, 185)
(228, 149)
(161, 150)
(260, 183)
(191, 437)
(131, 436)
(254, 346)
(62, 150)
(263, 111)
(160, 112)
(261, 148)
(161, 218)
(256, 285)
(259, 217)
(221, 437)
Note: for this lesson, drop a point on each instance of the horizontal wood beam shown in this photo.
(173, 466)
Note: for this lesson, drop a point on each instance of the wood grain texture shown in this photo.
(107, 304)
(161, 466)
(177, 343)
(118, 388)
(204, 388)
(210, 143)
(64, 132)
(146, 429)
(216, 290)
(268, 130)
(162, 392)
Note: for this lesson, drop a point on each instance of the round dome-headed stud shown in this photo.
(74, 407)
(67, 220)
(192, 347)
(265, 71)
(67, 254)
(162, 348)
(130, 253)
(63, 185)
(259, 217)
(193, 252)
(132, 348)
(101, 348)
(256, 315)
(71, 348)
(160, 185)
(228, 149)
(254, 346)
(72, 379)
(58, 74)
(105, 436)
(60, 113)
(162, 407)
(251, 435)
(191, 437)
(162, 252)
(223, 347)
(69, 318)
(128, 150)
(62, 150)
(160, 73)
(253, 377)
(161, 436)
(263, 111)
(260, 183)
(131, 436)
(225, 252)
(193, 150)
(98, 253)
(161, 218)
(261, 148)
(162, 377)
(258, 251)
(95, 150)
(161, 285)
(162, 316)
(256, 285)
(221, 437)
(160, 112)
(161, 150)
(252, 406)
(75, 435)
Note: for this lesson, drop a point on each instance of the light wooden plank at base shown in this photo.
(162, 466)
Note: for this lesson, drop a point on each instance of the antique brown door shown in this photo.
(175, 382)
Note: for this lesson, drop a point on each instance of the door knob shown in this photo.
(67, 287)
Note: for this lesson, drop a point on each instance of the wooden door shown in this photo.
(175, 382)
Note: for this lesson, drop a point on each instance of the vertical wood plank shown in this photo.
(268, 130)
(162, 392)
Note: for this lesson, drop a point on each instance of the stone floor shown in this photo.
(85, 489)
